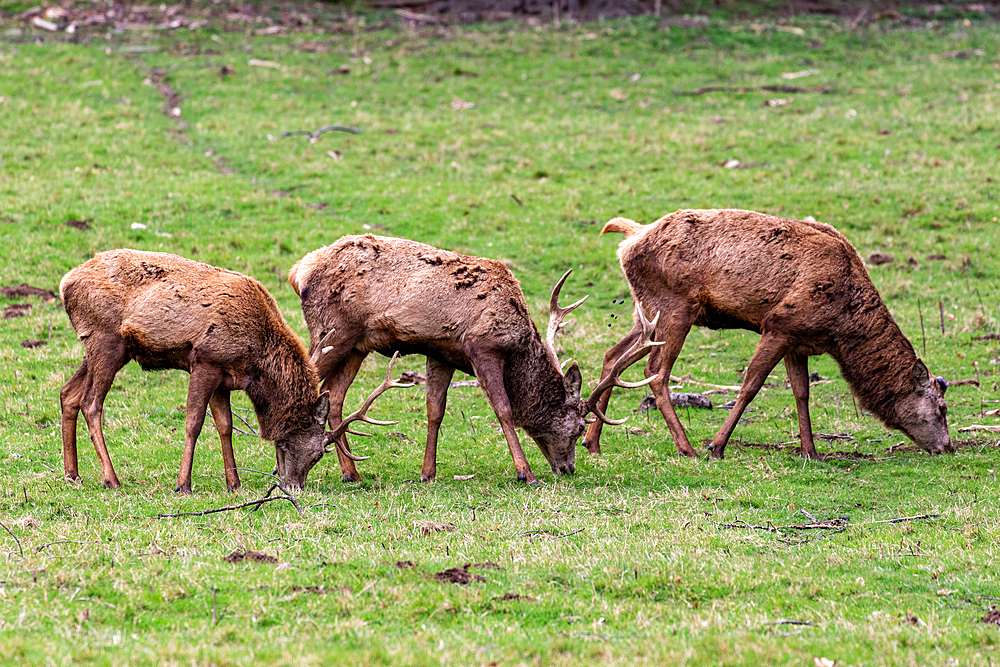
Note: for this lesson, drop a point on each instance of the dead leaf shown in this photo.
(618, 94)
(254, 62)
(44, 25)
(731, 163)
(780, 102)
(462, 478)
(799, 75)
(458, 105)
(428, 527)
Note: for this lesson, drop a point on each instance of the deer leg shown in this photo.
(769, 352)
(798, 376)
(592, 439)
(204, 381)
(222, 415)
(438, 380)
(489, 371)
(661, 362)
(101, 372)
(337, 382)
(70, 399)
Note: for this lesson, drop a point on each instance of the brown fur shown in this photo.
(222, 327)
(802, 286)
(468, 313)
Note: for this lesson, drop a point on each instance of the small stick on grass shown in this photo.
(267, 498)
(19, 549)
(941, 310)
(923, 337)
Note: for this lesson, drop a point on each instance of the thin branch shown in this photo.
(753, 89)
(228, 508)
(20, 550)
(314, 136)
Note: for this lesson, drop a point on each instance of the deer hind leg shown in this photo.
(337, 383)
(101, 371)
(489, 372)
(769, 352)
(222, 415)
(205, 379)
(798, 376)
(592, 439)
(70, 400)
(438, 380)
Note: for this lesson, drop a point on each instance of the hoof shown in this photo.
(427, 478)
(182, 491)
(351, 478)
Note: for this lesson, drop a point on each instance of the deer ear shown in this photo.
(573, 382)
(322, 408)
(921, 376)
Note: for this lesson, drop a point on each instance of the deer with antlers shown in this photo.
(803, 287)
(370, 293)
(220, 326)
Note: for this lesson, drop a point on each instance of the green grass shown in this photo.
(641, 557)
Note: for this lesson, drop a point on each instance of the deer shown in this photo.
(222, 327)
(372, 293)
(803, 287)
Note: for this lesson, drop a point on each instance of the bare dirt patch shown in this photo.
(238, 556)
(461, 575)
(992, 616)
(16, 310)
(24, 289)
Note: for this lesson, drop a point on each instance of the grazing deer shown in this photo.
(803, 287)
(222, 327)
(370, 293)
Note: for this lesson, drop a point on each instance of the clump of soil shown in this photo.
(82, 225)
(403, 564)
(32, 343)
(238, 556)
(428, 527)
(880, 258)
(16, 310)
(24, 289)
(992, 616)
(516, 596)
(458, 575)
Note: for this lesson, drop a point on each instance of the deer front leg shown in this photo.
(70, 399)
(204, 381)
(489, 371)
(661, 362)
(438, 380)
(769, 352)
(797, 368)
(222, 415)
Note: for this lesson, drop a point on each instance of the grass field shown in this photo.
(513, 141)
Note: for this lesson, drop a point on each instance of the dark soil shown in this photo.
(24, 289)
(16, 310)
(992, 616)
(252, 556)
(80, 224)
(461, 575)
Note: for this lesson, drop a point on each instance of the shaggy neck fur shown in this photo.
(282, 387)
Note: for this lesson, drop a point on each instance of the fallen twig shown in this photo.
(314, 136)
(551, 534)
(957, 383)
(981, 427)
(753, 89)
(727, 387)
(20, 550)
(266, 498)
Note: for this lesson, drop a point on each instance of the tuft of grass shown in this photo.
(515, 142)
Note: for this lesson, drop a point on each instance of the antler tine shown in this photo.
(362, 413)
(321, 347)
(556, 314)
(632, 355)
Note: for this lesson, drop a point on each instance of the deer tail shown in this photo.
(622, 226)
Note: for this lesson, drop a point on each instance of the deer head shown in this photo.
(558, 439)
(922, 413)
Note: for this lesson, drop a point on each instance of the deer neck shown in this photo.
(876, 359)
(534, 385)
(282, 387)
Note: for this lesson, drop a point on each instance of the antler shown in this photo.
(321, 347)
(556, 314)
(632, 355)
(362, 414)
